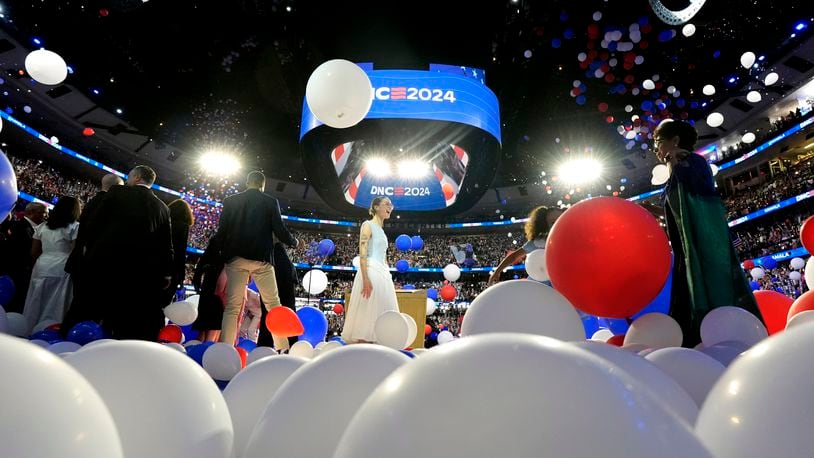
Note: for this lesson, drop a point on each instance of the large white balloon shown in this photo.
(339, 93)
(194, 299)
(431, 306)
(523, 306)
(715, 119)
(693, 370)
(221, 361)
(452, 272)
(163, 403)
(708, 89)
(731, 324)
(753, 97)
(523, 397)
(412, 331)
(49, 409)
(251, 390)
(309, 412)
(662, 386)
(661, 173)
(445, 337)
(536, 265)
(725, 352)
(797, 263)
(391, 330)
(18, 324)
(182, 313)
(315, 281)
(64, 347)
(748, 137)
(748, 59)
(762, 406)
(602, 335)
(771, 78)
(46, 67)
(795, 276)
(655, 330)
(688, 30)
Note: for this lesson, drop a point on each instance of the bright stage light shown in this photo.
(412, 168)
(378, 167)
(219, 163)
(577, 171)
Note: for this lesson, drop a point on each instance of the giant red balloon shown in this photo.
(807, 234)
(608, 256)
(774, 308)
(282, 321)
(448, 293)
(170, 333)
(803, 303)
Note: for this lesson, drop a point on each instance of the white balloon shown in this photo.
(445, 337)
(192, 342)
(412, 332)
(99, 342)
(534, 417)
(182, 313)
(302, 348)
(671, 89)
(693, 370)
(523, 306)
(194, 299)
(175, 346)
(748, 137)
(315, 281)
(356, 262)
(259, 353)
(771, 78)
(64, 347)
(797, 263)
(27, 109)
(431, 306)
(661, 174)
(688, 30)
(40, 343)
(419, 351)
(602, 335)
(536, 265)
(221, 361)
(757, 273)
(725, 352)
(452, 272)
(17, 324)
(762, 406)
(799, 318)
(325, 347)
(636, 348)
(661, 385)
(731, 324)
(748, 59)
(46, 67)
(808, 273)
(708, 89)
(251, 390)
(391, 330)
(753, 96)
(163, 403)
(337, 382)
(715, 119)
(34, 381)
(339, 93)
(654, 330)
(648, 84)
(795, 276)
(54, 140)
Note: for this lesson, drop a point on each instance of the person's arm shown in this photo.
(509, 260)
(280, 230)
(36, 249)
(364, 242)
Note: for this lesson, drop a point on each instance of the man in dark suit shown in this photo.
(248, 224)
(80, 309)
(19, 263)
(128, 258)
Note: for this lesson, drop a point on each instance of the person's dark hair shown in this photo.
(687, 136)
(374, 204)
(537, 226)
(146, 173)
(255, 179)
(65, 212)
(180, 211)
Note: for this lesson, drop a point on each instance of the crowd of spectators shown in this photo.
(45, 182)
(795, 180)
(762, 239)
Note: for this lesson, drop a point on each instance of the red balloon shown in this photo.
(104, 12)
(748, 264)
(170, 333)
(802, 304)
(87, 131)
(618, 238)
(427, 329)
(243, 355)
(807, 234)
(603, 107)
(448, 293)
(54, 327)
(774, 308)
(449, 191)
(616, 340)
(441, 327)
(338, 309)
(282, 321)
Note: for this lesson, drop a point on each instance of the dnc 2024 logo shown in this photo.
(399, 191)
(412, 93)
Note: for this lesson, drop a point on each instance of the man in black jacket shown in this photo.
(129, 258)
(248, 224)
(18, 262)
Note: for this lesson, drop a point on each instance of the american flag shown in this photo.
(737, 242)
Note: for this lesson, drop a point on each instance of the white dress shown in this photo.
(51, 291)
(362, 313)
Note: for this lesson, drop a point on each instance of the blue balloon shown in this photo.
(402, 265)
(408, 353)
(661, 304)
(403, 242)
(417, 242)
(580, 100)
(556, 43)
(8, 187)
(314, 323)
(326, 247)
(432, 293)
(337, 339)
(7, 289)
(253, 286)
(246, 344)
(768, 262)
(754, 285)
(196, 352)
(616, 326)
(189, 333)
(590, 323)
(85, 332)
(409, 286)
(433, 336)
(47, 335)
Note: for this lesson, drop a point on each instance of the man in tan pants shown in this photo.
(248, 224)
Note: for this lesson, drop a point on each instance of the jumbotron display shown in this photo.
(430, 142)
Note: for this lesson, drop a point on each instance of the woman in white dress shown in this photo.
(51, 290)
(373, 291)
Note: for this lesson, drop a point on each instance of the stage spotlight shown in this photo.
(577, 171)
(378, 167)
(412, 168)
(219, 163)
